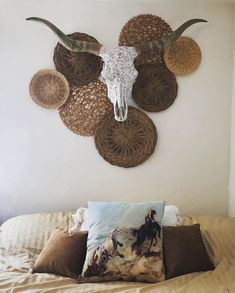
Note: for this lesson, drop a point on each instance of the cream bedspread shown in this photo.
(23, 237)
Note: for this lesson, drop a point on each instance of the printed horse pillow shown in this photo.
(124, 242)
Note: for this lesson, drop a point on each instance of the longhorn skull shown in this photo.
(118, 72)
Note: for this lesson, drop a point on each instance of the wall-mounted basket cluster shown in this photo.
(75, 88)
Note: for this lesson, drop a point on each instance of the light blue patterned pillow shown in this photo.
(124, 242)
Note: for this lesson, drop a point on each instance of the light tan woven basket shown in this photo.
(85, 107)
(49, 88)
(183, 57)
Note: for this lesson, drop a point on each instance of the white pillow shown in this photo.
(171, 217)
(80, 220)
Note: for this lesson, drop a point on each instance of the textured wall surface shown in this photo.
(232, 160)
(45, 167)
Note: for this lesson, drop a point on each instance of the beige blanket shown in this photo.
(23, 237)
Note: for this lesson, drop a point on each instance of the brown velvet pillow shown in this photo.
(184, 251)
(64, 254)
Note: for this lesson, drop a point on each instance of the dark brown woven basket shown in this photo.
(78, 68)
(144, 28)
(155, 88)
(129, 143)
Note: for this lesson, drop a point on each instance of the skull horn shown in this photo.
(165, 42)
(69, 43)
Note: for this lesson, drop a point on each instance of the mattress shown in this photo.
(23, 237)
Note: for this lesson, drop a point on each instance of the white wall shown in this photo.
(45, 167)
(232, 165)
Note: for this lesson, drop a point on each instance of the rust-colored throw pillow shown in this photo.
(64, 254)
(184, 251)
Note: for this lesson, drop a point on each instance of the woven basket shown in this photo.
(129, 143)
(49, 88)
(144, 28)
(78, 68)
(155, 88)
(85, 108)
(183, 57)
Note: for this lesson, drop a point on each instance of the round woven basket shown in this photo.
(49, 88)
(183, 57)
(155, 88)
(85, 108)
(144, 28)
(129, 143)
(79, 68)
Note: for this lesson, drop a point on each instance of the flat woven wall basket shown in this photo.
(183, 57)
(49, 88)
(79, 68)
(155, 88)
(85, 107)
(144, 28)
(129, 143)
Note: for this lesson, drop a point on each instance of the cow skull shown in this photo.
(118, 71)
(119, 74)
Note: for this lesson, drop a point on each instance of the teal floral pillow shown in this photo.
(124, 242)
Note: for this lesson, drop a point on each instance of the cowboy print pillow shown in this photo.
(124, 242)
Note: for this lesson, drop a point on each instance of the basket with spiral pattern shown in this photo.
(78, 67)
(155, 88)
(49, 88)
(144, 28)
(129, 143)
(183, 57)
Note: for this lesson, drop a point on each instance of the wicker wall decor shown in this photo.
(49, 88)
(143, 28)
(85, 102)
(78, 68)
(85, 107)
(129, 143)
(183, 57)
(155, 88)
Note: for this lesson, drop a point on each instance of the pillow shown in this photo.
(184, 251)
(124, 242)
(80, 219)
(171, 217)
(30, 232)
(63, 254)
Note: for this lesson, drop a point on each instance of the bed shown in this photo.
(23, 237)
